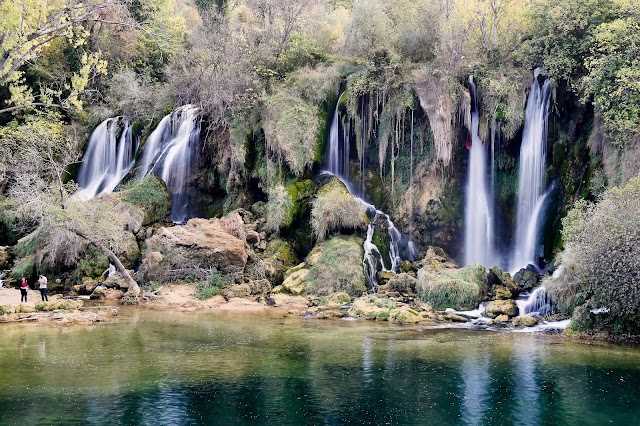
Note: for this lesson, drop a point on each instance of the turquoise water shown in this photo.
(167, 368)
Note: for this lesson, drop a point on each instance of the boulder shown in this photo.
(501, 307)
(259, 286)
(335, 265)
(371, 307)
(405, 315)
(384, 277)
(335, 301)
(201, 243)
(103, 293)
(501, 318)
(402, 283)
(443, 285)
(450, 316)
(499, 278)
(527, 278)
(117, 281)
(238, 290)
(295, 283)
(525, 321)
(277, 258)
(502, 293)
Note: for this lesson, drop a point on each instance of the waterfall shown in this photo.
(531, 175)
(478, 238)
(168, 154)
(338, 163)
(107, 159)
(538, 302)
(338, 158)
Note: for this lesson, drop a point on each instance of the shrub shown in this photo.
(211, 287)
(335, 209)
(279, 208)
(602, 258)
(291, 125)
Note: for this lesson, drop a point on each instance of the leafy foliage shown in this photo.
(601, 258)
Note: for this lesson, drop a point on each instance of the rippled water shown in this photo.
(160, 368)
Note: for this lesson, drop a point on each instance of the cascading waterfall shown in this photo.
(338, 159)
(538, 302)
(168, 154)
(107, 160)
(531, 175)
(478, 237)
(338, 163)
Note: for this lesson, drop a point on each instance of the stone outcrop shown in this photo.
(202, 244)
(501, 307)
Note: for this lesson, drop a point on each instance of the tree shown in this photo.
(38, 153)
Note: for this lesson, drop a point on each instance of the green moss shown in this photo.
(281, 251)
(453, 288)
(337, 267)
(24, 267)
(151, 196)
(381, 240)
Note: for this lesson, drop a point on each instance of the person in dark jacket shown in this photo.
(23, 290)
(42, 280)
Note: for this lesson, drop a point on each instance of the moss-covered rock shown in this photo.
(402, 283)
(277, 258)
(295, 283)
(527, 278)
(501, 307)
(372, 307)
(335, 209)
(337, 267)
(151, 196)
(524, 321)
(443, 285)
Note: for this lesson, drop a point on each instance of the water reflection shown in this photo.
(475, 386)
(215, 369)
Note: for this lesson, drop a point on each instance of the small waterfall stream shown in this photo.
(338, 163)
(169, 153)
(478, 234)
(107, 159)
(531, 175)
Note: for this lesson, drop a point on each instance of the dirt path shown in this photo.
(11, 296)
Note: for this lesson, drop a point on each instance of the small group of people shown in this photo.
(24, 287)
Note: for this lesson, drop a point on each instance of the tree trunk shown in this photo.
(134, 288)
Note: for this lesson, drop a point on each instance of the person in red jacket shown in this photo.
(23, 290)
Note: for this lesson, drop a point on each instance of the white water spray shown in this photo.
(169, 153)
(478, 237)
(531, 176)
(107, 160)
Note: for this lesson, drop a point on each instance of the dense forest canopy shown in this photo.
(265, 75)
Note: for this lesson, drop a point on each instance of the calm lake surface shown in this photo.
(215, 368)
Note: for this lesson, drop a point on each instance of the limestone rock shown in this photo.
(259, 286)
(335, 300)
(501, 307)
(238, 290)
(404, 315)
(527, 278)
(498, 277)
(277, 258)
(402, 283)
(371, 307)
(450, 316)
(503, 293)
(525, 321)
(201, 243)
(295, 283)
(501, 318)
(384, 277)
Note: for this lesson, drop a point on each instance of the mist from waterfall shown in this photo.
(169, 154)
(531, 176)
(107, 159)
(478, 223)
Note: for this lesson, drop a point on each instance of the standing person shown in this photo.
(23, 290)
(43, 288)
